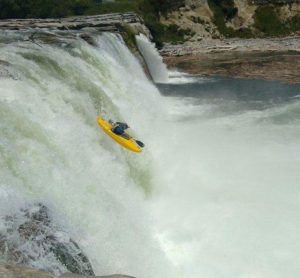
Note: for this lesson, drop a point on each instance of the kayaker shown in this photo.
(119, 128)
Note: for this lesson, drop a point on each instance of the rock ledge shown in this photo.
(13, 271)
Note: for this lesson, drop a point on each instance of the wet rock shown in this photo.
(31, 237)
(88, 38)
(6, 71)
(4, 63)
(13, 271)
(102, 23)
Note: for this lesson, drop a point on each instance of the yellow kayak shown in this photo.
(129, 143)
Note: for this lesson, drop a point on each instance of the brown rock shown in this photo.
(14, 271)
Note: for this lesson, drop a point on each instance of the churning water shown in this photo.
(216, 193)
(157, 68)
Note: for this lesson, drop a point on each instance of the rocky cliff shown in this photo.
(217, 44)
(235, 18)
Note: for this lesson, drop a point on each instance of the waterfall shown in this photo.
(53, 152)
(157, 68)
(215, 192)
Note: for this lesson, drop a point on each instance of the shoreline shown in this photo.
(276, 59)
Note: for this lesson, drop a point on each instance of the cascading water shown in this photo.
(157, 68)
(214, 194)
(53, 152)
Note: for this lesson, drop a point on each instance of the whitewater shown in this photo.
(214, 194)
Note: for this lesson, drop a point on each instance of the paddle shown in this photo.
(141, 144)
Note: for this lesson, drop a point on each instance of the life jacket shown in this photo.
(122, 125)
(118, 130)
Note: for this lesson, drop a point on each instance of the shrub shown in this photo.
(165, 6)
(128, 35)
(267, 21)
(168, 33)
(42, 8)
(224, 10)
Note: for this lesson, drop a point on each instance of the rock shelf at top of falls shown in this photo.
(103, 23)
(13, 271)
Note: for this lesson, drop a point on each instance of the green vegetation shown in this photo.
(165, 6)
(293, 24)
(197, 19)
(59, 8)
(41, 8)
(119, 6)
(150, 10)
(168, 33)
(268, 22)
(224, 7)
(225, 10)
(128, 35)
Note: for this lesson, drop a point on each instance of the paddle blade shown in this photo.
(141, 144)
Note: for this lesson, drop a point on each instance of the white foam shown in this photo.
(157, 68)
(224, 190)
(52, 149)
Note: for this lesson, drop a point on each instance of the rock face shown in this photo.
(289, 44)
(271, 59)
(285, 9)
(31, 238)
(198, 16)
(12, 271)
(6, 71)
(105, 22)
(195, 16)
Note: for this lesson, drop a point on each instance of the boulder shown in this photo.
(32, 236)
(14, 271)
